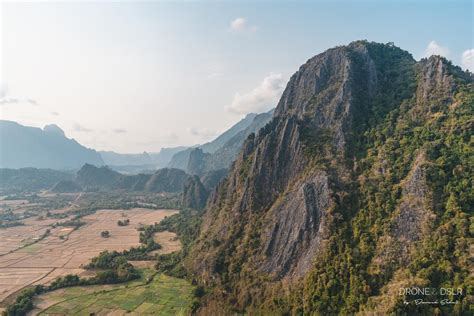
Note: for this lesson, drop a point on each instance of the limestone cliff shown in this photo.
(195, 194)
(304, 199)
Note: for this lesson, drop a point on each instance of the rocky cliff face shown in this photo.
(196, 161)
(181, 159)
(90, 176)
(195, 194)
(211, 179)
(286, 209)
(225, 155)
(274, 178)
(221, 152)
(166, 180)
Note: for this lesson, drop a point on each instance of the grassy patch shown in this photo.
(32, 248)
(164, 295)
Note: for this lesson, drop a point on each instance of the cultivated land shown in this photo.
(13, 238)
(156, 294)
(169, 242)
(28, 259)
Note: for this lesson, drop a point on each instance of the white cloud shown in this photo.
(241, 25)
(468, 59)
(434, 48)
(6, 99)
(79, 128)
(13, 100)
(262, 98)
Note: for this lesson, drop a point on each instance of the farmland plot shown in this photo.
(152, 294)
(53, 256)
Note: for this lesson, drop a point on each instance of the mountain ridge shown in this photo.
(24, 146)
(297, 191)
(231, 138)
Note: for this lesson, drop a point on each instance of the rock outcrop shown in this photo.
(211, 179)
(90, 176)
(221, 152)
(166, 180)
(274, 178)
(300, 191)
(195, 194)
(196, 161)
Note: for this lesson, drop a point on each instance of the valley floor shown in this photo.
(29, 259)
(152, 294)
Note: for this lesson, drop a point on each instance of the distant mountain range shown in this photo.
(33, 179)
(180, 159)
(143, 161)
(221, 152)
(91, 177)
(31, 147)
(24, 146)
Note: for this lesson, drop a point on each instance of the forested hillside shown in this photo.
(361, 184)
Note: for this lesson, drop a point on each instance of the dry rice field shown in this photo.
(169, 242)
(53, 256)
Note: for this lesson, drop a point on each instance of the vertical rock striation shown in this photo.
(299, 181)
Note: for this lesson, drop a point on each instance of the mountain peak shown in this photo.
(54, 129)
(25, 146)
(439, 77)
(295, 182)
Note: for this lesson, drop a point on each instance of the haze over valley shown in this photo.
(236, 158)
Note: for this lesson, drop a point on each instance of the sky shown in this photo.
(141, 75)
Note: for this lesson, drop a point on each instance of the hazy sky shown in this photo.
(139, 76)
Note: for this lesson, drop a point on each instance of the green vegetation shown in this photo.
(30, 179)
(147, 238)
(24, 302)
(163, 294)
(120, 271)
(113, 268)
(186, 225)
(401, 192)
(75, 223)
(10, 224)
(9, 216)
(158, 294)
(123, 223)
(344, 276)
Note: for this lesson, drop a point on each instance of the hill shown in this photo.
(143, 161)
(24, 146)
(358, 186)
(200, 162)
(181, 159)
(31, 179)
(163, 180)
